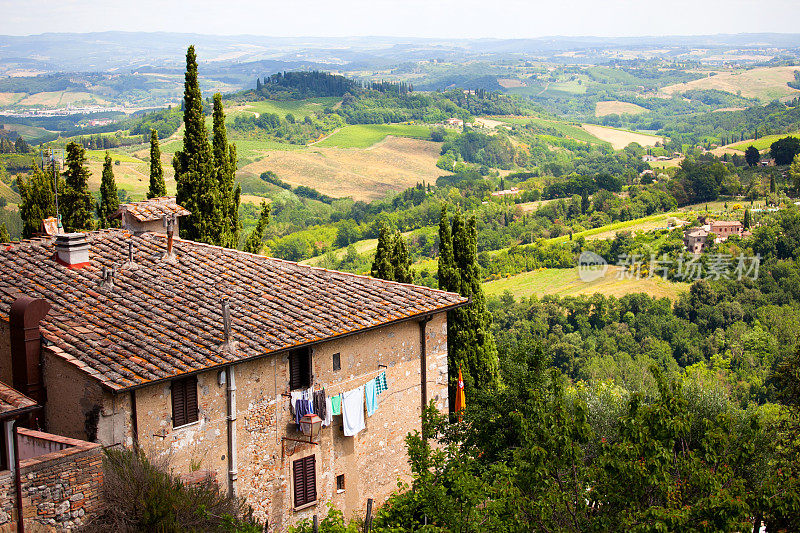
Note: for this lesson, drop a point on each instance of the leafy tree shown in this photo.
(197, 184)
(109, 199)
(77, 203)
(225, 168)
(784, 150)
(38, 201)
(4, 235)
(255, 241)
(794, 173)
(21, 146)
(752, 156)
(157, 186)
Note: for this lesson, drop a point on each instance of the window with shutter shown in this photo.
(299, 368)
(184, 401)
(304, 476)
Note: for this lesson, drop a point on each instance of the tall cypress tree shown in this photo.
(38, 200)
(194, 166)
(109, 199)
(225, 170)
(382, 264)
(157, 186)
(4, 235)
(746, 222)
(448, 275)
(77, 204)
(471, 346)
(401, 261)
(255, 241)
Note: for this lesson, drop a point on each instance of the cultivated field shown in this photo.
(365, 135)
(619, 139)
(765, 83)
(615, 107)
(61, 98)
(11, 98)
(299, 108)
(761, 144)
(565, 282)
(608, 231)
(572, 131)
(393, 164)
(132, 174)
(8, 194)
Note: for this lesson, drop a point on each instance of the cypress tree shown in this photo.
(746, 222)
(38, 201)
(255, 240)
(471, 346)
(225, 170)
(382, 264)
(401, 261)
(109, 199)
(772, 187)
(197, 188)
(4, 235)
(77, 204)
(157, 186)
(448, 276)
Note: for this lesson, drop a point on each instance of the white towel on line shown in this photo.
(353, 411)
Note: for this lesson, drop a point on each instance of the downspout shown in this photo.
(17, 479)
(423, 362)
(134, 420)
(233, 471)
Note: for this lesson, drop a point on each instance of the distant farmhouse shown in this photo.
(695, 238)
(293, 386)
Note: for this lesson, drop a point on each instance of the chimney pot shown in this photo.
(72, 250)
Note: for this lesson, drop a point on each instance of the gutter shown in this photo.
(417, 316)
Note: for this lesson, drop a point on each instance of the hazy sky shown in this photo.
(421, 18)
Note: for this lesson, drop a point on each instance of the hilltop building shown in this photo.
(210, 356)
(695, 238)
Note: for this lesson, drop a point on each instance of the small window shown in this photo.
(184, 401)
(305, 480)
(340, 482)
(299, 369)
(337, 361)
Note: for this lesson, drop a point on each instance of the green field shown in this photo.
(638, 224)
(565, 282)
(763, 143)
(8, 193)
(365, 135)
(100, 155)
(568, 130)
(299, 108)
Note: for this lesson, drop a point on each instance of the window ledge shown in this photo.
(190, 424)
(306, 506)
(339, 491)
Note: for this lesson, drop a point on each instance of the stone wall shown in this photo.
(60, 490)
(372, 462)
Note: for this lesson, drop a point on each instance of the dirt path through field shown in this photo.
(619, 139)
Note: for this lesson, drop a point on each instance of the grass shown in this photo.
(8, 193)
(615, 107)
(568, 130)
(764, 83)
(299, 108)
(565, 282)
(637, 224)
(763, 143)
(100, 155)
(365, 135)
(619, 138)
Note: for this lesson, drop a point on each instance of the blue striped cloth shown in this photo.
(380, 383)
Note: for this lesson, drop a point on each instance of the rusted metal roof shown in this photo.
(153, 209)
(161, 318)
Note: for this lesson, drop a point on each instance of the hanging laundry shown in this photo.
(319, 403)
(380, 383)
(371, 396)
(336, 404)
(353, 411)
(301, 408)
(328, 413)
(295, 395)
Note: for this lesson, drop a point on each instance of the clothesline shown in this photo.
(338, 383)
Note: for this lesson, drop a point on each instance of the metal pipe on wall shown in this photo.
(233, 468)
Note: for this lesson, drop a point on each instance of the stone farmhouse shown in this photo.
(195, 352)
(695, 238)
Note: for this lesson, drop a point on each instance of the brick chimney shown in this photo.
(26, 344)
(72, 250)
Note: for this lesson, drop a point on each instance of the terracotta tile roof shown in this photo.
(153, 209)
(163, 318)
(12, 400)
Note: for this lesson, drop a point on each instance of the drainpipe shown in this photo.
(233, 471)
(134, 420)
(423, 362)
(26, 345)
(17, 479)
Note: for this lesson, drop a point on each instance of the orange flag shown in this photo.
(461, 400)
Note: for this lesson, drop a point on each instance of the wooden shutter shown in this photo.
(178, 403)
(295, 371)
(311, 478)
(184, 401)
(304, 475)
